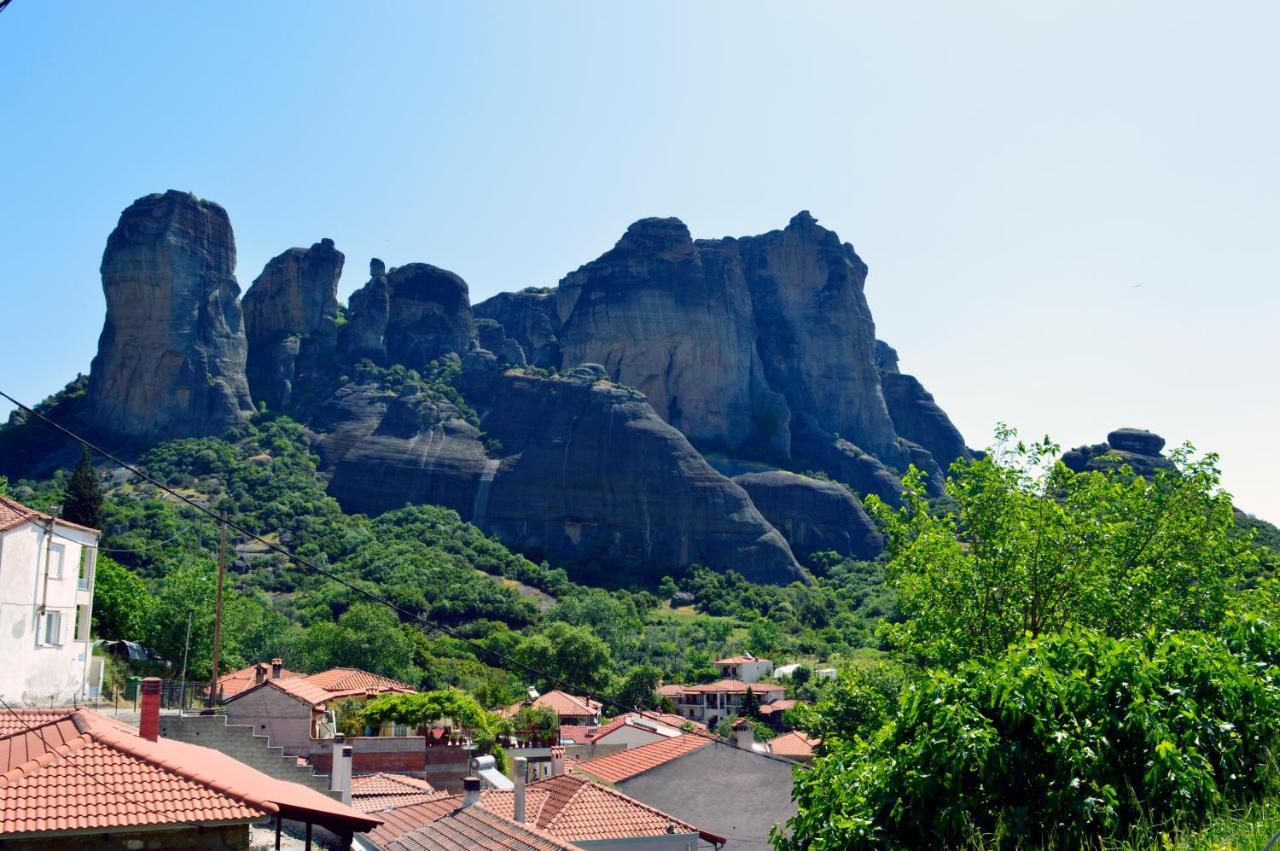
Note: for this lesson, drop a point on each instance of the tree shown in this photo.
(1032, 548)
(750, 703)
(82, 501)
(121, 603)
(638, 688)
(368, 636)
(568, 656)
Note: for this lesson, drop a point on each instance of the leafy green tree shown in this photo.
(569, 656)
(368, 636)
(423, 709)
(1033, 548)
(750, 703)
(122, 605)
(667, 588)
(4, 486)
(82, 501)
(638, 688)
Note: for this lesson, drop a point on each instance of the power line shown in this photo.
(378, 598)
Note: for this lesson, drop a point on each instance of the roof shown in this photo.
(562, 702)
(635, 761)
(27, 718)
(229, 685)
(477, 828)
(731, 687)
(740, 660)
(14, 514)
(579, 810)
(778, 706)
(342, 682)
(578, 734)
(794, 745)
(85, 771)
(444, 825)
(632, 719)
(373, 792)
(353, 680)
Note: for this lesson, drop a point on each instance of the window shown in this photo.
(82, 623)
(53, 628)
(56, 552)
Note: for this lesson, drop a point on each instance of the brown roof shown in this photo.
(373, 792)
(444, 825)
(229, 685)
(621, 766)
(562, 702)
(739, 660)
(794, 745)
(88, 772)
(353, 680)
(731, 687)
(778, 706)
(578, 810)
(14, 514)
(312, 689)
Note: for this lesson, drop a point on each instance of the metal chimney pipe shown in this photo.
(522, 771)
(346, 775)
(335, 767)
(470, 791)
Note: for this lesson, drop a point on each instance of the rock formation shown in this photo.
(410, 315)
(915, 414)
(1136, 448)
(570, 469)
(812, 514)
(291, 320)
(171, 357)
(528, 317)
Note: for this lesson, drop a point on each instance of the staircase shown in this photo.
(241, 743)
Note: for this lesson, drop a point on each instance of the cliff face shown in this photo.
(813, 515)
(411, 315)
(291, 320)
(171, 357)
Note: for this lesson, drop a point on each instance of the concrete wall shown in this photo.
(672, 842)
(37, 671)
(181, 838)
(732, 793)
(285, 720)
(240, 742)
(373, 754)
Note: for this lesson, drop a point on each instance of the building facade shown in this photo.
(46, 606)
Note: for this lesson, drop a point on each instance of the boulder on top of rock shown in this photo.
(1135, 448)
(1137, 440)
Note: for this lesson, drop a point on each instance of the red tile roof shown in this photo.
(739, 660)
(732, 687)
(373, 792)
(444, 825)
(354, 680)
(621, 766)
(794, 745)
(778, 706)
(27, 718)
(578, 810)
(676, 721)
(477, 828)
(563, 703)
(229, 685)
(14, 514)
(577, 734)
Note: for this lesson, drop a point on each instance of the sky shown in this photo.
(1070, 210)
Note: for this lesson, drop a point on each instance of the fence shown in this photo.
(175, 695)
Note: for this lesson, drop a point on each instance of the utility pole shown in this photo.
(217, 618)
(186, 649)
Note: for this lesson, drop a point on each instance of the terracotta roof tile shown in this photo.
(629, 763)
(794, 745)
(14, 514)
(354, 680)
(563, 703)
(577, 734)
(476, 828)
(373, 792)
(739, 660)
(309, 691)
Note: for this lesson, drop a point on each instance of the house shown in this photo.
(229, 685)
(732, 792)
(572, 810)
(46, 606)
(774, 713)
(710, 702)
(74, 777)
(572, 709)
(632, 730)
(747, 668)
(293, 713)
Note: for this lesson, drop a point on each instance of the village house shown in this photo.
(231, 684)
(571, 709)
(747, 668)
(710, 702)
(46, 606)
(73, 777)
(729, 789)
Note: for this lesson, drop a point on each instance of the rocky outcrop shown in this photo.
(410, 315)
(1135, 448)
(813, 515)
(527, 317)
(171, 357)
(570, 469)
(291, 320)
(916, 416)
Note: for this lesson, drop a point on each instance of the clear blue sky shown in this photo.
(1070, 213)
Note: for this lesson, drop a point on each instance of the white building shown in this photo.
(748, 668)
(46, 604)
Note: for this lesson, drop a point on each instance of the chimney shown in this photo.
(149, 722)
(557, 761)
(340, 772)
(522, 770)
(276, 666)
(470, 791)
(259, 673)
(744, 734)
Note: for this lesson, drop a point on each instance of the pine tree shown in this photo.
(82, 503)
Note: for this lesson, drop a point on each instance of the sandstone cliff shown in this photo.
(410, 315)
(291, 320)
(813, 515)
(171, 357)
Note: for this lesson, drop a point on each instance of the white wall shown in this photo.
(39, 671)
